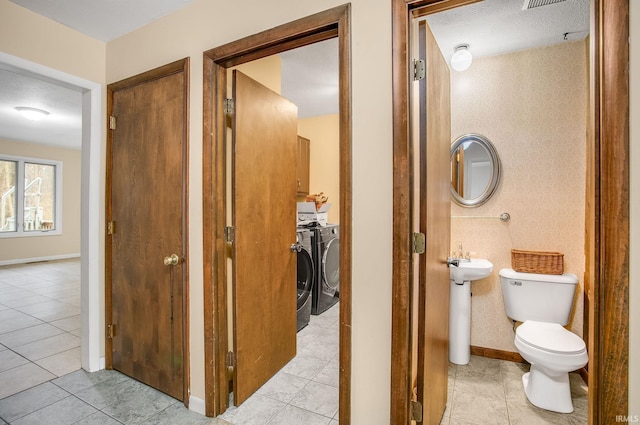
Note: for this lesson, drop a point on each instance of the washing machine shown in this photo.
(326, 291)
(306, 274)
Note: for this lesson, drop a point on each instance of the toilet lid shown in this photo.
(550, 337)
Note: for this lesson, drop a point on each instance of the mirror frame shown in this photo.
(495, 170)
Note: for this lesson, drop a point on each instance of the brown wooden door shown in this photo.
(434, 221)
(264, 218)
(147, 177)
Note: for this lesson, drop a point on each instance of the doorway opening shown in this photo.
(606, 203)
(90, 234)
(334, 23)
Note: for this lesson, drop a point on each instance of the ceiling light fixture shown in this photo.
(461, 59)
(33, 114)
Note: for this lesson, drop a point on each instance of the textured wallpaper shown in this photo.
(532, 105)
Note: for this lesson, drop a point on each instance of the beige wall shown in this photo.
(267, 71)
(634, 269)
(58, 246)
(532, 105)
(324, 175)
(202, 25)
(41, 40)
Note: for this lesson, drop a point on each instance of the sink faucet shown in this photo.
(457, 257)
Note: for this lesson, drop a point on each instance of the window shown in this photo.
(30, 203)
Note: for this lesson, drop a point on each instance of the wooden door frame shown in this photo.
(608, 227)
(325, 25)
(608, 140)
(176, 67)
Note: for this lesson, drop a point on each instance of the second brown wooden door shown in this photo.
(264, 218)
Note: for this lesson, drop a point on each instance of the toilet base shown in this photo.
(549, 392)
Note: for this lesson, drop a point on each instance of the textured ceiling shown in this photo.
(310, 78)
(495, 27)
(309, 74)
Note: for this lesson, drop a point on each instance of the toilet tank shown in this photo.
(540, 297)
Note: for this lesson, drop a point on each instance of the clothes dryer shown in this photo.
(306, 275)
(326, 291)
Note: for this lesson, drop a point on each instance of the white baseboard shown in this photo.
(37, 259)
(197, 405)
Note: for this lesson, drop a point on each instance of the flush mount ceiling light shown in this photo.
(33, 114)
(461, 59)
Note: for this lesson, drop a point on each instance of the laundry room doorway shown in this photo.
(221, 238)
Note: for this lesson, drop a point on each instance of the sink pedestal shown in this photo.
(460, 322)
(463, 272)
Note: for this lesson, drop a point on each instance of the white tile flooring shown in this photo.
(40, 380)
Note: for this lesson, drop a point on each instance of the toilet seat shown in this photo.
(550, 337)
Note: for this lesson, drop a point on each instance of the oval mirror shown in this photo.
(475, 170)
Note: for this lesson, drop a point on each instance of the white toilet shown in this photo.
(543, 302)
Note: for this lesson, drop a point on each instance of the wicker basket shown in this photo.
(537, 262)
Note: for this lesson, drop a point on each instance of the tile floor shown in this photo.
(489, 392)
(40, 380)
(305, 391)
(39, 323)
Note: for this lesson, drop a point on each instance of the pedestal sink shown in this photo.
(460, 305)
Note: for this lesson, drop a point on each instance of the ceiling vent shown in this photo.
(530, 4)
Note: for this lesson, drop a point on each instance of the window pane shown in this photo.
(39, 197)
(9, 196)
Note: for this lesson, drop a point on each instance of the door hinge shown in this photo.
(111, 331)
(230, 361)
(112, 122)
(229, 234)
(416, 411)
(419, 70)
(418, 243)
(229, 106)
(111, 227)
